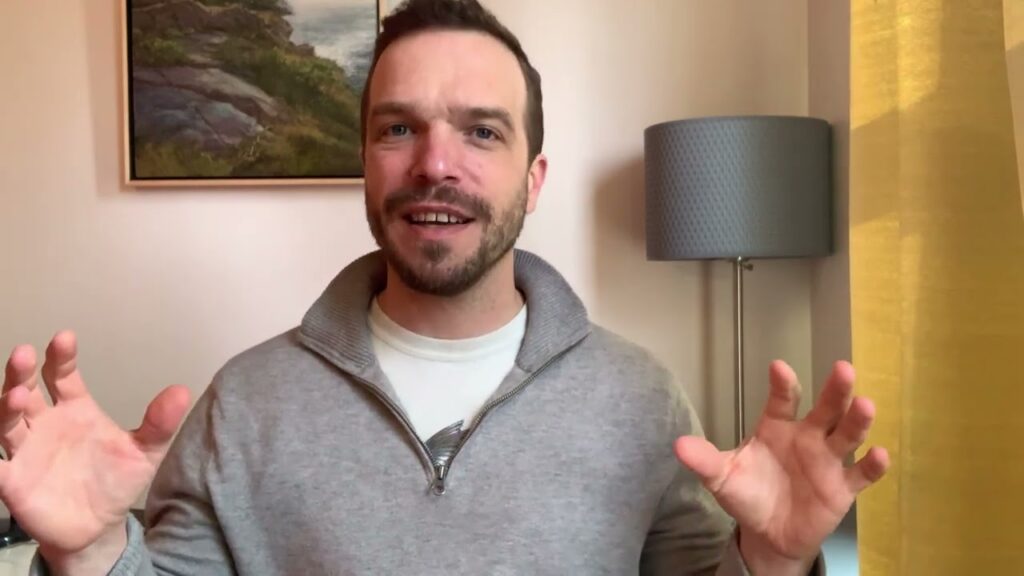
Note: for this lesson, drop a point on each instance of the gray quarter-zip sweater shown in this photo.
(298, 459)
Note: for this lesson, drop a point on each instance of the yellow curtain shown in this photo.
(937, 278)
(1013, 16)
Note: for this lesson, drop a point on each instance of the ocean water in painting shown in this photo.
(340, 30)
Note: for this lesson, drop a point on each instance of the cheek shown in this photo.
(385, 166)
(384, 173)
(494, 176)
(488, 168)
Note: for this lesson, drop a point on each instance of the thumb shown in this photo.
(162, 418)
(702, 457)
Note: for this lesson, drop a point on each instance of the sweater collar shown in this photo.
(336, 327)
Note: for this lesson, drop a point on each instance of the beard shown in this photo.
(430, 269)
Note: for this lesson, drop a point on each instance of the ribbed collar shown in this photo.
(336, 325)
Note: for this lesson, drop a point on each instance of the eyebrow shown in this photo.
(464, 113)
(391, 109)
(477, 113)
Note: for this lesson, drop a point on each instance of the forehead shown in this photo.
(441, 69)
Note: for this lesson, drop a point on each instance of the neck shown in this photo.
(488, 305)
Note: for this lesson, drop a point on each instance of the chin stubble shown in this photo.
(499, 236)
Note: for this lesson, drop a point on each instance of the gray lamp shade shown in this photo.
(731, 187)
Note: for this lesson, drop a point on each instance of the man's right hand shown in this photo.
(73, 473)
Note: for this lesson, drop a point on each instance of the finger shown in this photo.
(784, 394)
(853, 427)
(60, 371)
(13, 430)
(18, 375)
(835, 398)
(867, 470)
(162, 418)
(21, 368)
(703, 458)
(21, 373)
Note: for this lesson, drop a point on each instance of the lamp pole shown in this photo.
(739, 265)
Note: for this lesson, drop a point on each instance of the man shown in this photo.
(445, 407)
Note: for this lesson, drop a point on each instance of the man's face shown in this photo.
(448, 182)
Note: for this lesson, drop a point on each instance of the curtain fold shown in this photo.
(937, 286)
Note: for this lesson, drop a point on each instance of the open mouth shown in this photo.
(436, 218)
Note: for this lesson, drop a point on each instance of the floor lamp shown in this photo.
(738, 188)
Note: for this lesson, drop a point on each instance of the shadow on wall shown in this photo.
(665, 306)
(103, 47)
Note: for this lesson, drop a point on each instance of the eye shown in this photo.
(395, 131)
(485, 133)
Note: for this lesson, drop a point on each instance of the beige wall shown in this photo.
(611, 68)
(163, 286)
(829, 98)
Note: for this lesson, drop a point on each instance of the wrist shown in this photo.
(96, 559)
(763, 560)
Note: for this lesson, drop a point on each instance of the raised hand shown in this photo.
(787, 486)
(73, 473)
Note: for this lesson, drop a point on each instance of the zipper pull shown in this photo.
(437, 486)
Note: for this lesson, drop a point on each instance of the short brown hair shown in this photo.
(414, 16)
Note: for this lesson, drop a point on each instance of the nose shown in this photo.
(438, 157)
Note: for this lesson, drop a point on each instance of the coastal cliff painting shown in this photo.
(245, 91)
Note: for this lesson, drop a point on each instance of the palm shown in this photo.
(76, 474)
(784, 490)
(73, 472)
(787, 485)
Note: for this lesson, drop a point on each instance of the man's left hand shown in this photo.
(787, 486)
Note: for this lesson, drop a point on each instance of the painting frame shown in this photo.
(128, 142)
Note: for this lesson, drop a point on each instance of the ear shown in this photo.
(535, 180)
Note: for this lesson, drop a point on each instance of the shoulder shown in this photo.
(267, 354)
(605, 353)
(265, 370)
(628, 369)
(611, 348)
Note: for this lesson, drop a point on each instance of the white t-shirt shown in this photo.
(440, 382)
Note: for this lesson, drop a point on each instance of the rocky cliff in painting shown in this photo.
(219, 89)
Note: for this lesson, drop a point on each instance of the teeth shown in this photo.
(436, 217)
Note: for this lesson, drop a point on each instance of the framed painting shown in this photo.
(244, 92)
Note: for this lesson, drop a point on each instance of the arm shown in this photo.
(184, 535)
(131, 560)
(690, 533)
(692, 536)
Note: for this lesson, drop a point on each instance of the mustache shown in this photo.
(473, 206)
